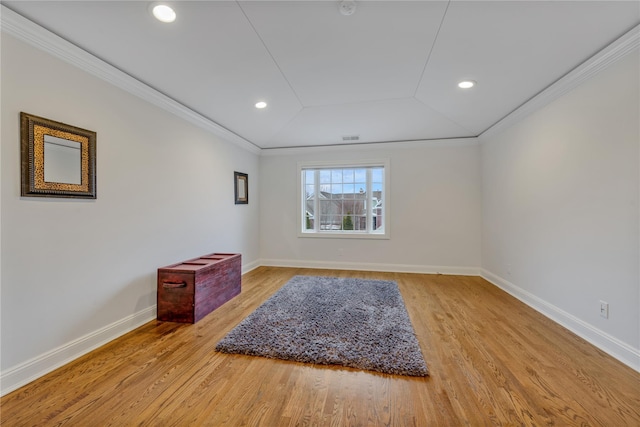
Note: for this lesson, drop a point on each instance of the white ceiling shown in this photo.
(389, 72)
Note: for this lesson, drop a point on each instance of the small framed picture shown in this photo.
(241, 188)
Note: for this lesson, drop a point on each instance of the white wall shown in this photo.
(560, 215)
(434, 211)
(554, 198)
(76, 271)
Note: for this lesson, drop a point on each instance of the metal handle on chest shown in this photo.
(174, 285)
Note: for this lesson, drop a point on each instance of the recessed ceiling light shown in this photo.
(347, 7)
(466, 84)
(163, 13)
(261, 104)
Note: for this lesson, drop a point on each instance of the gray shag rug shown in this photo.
(332, 321)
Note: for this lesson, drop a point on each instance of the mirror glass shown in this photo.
(62, 160)
(56, 159)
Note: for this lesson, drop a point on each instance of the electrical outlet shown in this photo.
(604, 309)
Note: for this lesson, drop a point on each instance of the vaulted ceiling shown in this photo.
(387, 72)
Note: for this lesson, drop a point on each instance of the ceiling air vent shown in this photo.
(351, 138)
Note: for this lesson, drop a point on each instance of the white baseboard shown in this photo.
(250, 266)
(395, 268)
(611, 345)
(22, 374)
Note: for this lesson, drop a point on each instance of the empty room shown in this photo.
(320, 213)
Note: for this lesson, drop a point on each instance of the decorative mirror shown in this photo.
(58, 160)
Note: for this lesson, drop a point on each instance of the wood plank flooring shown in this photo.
(492, 361)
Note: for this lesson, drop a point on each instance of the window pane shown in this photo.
(330, 222)
(358, 207)
(308, 176)
(325, 206)
(336, 191)
(348, 190)
(325, 176)
(348, 175)
(341, 199)
(325, 222)
(348, 207)
(347, 222)
(377, 222)
(309, 191)
(308, 221)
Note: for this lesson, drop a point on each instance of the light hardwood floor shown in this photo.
(492, 361)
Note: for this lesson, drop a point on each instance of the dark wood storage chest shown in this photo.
(190, 290)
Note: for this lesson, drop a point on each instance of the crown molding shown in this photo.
(371, 146)
(617, 50)
(29, 32)
(14, 24)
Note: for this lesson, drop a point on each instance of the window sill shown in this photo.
(337, 235)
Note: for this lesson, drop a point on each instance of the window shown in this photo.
(344, 199)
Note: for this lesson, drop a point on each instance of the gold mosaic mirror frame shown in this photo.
(33, 130)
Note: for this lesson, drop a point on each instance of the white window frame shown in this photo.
(342, 234)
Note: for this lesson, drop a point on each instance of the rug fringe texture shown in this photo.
(332, 321)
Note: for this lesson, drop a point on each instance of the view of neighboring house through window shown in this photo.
(345, 199)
